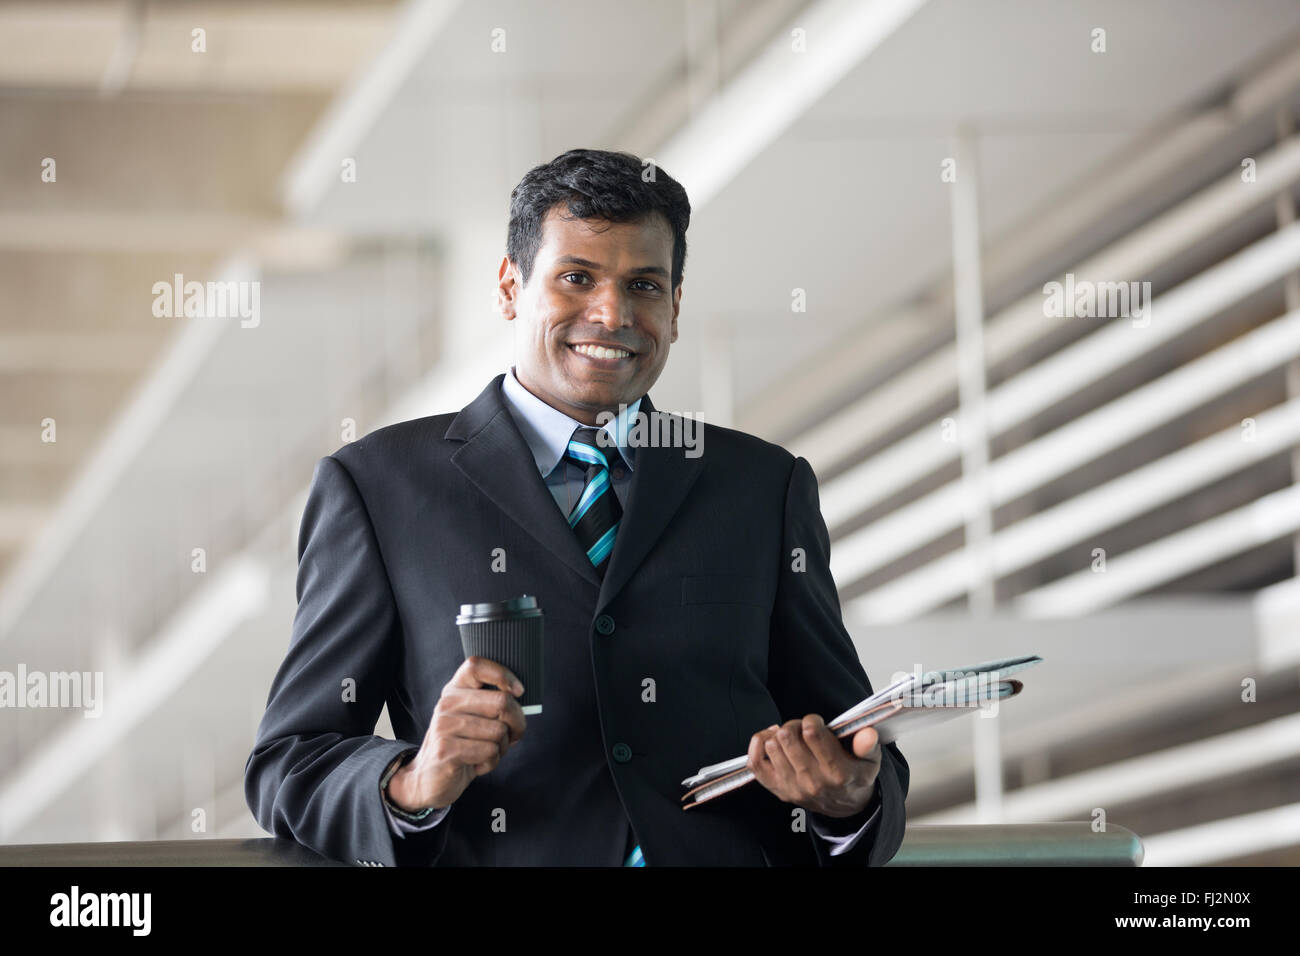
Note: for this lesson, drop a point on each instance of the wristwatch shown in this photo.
(406, 758)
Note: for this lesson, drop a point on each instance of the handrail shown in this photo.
(1029, 844)
(1018, 844)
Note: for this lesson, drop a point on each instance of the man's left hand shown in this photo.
(803, 763)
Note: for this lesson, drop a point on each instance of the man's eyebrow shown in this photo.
(588, 264)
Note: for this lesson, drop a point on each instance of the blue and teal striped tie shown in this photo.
(595, 518)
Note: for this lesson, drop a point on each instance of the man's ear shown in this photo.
(677, 307)
(507, 289)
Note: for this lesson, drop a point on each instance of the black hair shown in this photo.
(595, 184)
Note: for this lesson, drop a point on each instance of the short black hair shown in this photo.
(595, 184)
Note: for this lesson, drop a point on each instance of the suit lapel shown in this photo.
(660, 481)
(496, 458)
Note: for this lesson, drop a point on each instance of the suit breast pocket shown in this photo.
(723, 589)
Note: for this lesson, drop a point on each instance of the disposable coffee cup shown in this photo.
(510, 633)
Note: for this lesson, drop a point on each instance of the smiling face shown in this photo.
(594, 283)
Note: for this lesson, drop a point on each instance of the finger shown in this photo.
(826, 748)
(482, 671)
(477, 671)
(471, 727)
(781, 770)
(481, 755)
(496, 704)
(801, 759)
(866, 745)
(758, 763)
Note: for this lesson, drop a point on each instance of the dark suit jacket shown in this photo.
(701, 595)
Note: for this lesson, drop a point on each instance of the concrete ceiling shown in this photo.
(164, 161)
(848, 203)
(139, 45)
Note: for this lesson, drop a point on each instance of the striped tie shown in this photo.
(595, 519)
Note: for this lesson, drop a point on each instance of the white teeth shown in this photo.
(596, 351)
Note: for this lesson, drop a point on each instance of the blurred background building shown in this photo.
(882, 193)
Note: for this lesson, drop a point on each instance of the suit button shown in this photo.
(605, 624)
(622, 753)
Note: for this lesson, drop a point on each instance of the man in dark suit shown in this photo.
(682, 569)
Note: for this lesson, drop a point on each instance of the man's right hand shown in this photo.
(472, 728)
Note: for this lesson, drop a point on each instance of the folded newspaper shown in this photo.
(917, 700)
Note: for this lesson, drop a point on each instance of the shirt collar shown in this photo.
(548, 430)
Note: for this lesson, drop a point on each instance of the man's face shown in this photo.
(593, 283)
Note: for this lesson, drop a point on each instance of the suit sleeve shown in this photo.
(813, 668)
(314, 773)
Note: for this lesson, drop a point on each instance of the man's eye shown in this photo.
(654, 287)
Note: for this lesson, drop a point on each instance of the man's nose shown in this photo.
(611, 308)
